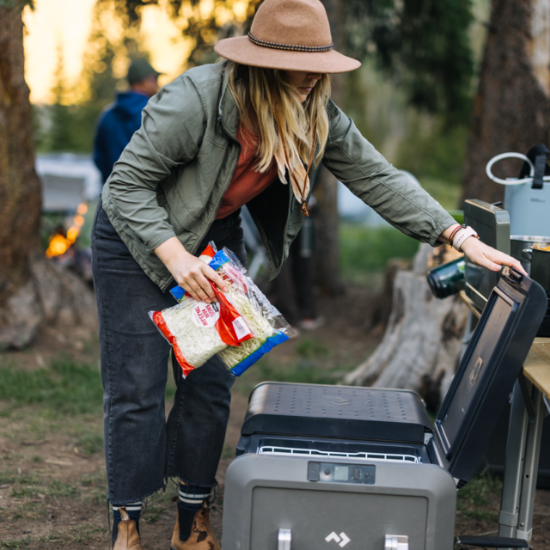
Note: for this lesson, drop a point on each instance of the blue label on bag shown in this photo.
(266, 347)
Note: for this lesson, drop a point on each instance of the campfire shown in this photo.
(61, 241)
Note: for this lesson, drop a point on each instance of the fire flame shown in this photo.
(59, 244)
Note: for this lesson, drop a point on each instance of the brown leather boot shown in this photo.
(127, 537)
(201, 538)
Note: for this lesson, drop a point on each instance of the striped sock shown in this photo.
(133, 509)
(190, 501)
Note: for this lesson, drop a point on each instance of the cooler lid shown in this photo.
(339, 412)
(488, 371)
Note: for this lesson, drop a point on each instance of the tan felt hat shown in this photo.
(292, 35)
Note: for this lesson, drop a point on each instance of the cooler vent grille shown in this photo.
(383, 457)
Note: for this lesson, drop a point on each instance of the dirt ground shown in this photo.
(52, 472)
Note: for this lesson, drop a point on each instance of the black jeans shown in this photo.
(141, 448)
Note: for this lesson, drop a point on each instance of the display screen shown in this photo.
(341, 473)
(330, 472)
(474, 377)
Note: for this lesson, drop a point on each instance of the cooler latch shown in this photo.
(284, 538)
(396, 542)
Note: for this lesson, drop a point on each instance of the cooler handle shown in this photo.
(396, 542)
(284, 538)
(512, 181)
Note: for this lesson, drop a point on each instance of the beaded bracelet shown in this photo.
(454, 232)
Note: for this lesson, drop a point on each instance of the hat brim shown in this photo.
(242, 50)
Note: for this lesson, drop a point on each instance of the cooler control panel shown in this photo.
(330, 472)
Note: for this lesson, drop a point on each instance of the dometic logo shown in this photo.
(340, 402)
(342, 539)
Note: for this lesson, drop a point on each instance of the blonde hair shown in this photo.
(261, 94)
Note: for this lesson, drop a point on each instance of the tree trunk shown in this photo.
(512, 104)
(327, 246)
(422, 343)
(327, 235)
(33, 291)
(20, 193)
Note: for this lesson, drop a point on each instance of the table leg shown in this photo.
(513, 465)
(530, 469)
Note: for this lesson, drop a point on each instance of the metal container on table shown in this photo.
(527, 198)
(540, 265)
(529, 209)
(539, 261)
(518, 243)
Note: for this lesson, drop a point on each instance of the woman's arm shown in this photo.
(170, 135)
(481, 254)
(171, 132)
(400, 201)
(408, 207)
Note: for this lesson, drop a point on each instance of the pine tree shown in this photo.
(60, 132)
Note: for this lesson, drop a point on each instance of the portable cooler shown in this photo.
(361, 468)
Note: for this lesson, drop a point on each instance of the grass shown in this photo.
(90, 443)
(64, 387)
(73, 536)
(60, 489)
(366, 250)
(304, 373)
(445, 193)
(99, 479)
(315, 366)
(478, 495)
(308, 347)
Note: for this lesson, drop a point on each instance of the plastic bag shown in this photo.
(269, 328)
(197, 330)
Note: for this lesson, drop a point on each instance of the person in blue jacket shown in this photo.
(121, 119)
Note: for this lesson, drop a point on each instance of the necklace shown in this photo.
(301, 188)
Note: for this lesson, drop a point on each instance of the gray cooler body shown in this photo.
(362, 468)
(270, 497)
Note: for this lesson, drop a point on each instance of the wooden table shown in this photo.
(530, 404)
(537, 365)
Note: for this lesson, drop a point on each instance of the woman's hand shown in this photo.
(189, 272)
(481, 254)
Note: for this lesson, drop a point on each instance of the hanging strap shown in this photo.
(540, 167)
(301, 188)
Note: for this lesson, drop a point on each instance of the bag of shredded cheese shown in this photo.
(197, 330)
(268, 327)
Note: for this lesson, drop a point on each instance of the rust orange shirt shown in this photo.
(247, 182)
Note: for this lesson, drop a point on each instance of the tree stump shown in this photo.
(53, 297)
(421, 347)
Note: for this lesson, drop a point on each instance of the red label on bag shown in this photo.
(225, 324)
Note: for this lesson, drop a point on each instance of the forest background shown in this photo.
(411, 98)
(410, 129)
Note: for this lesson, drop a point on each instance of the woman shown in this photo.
(219, 137)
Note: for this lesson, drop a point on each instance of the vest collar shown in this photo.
(228, 111)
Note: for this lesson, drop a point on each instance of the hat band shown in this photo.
(289, 47)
